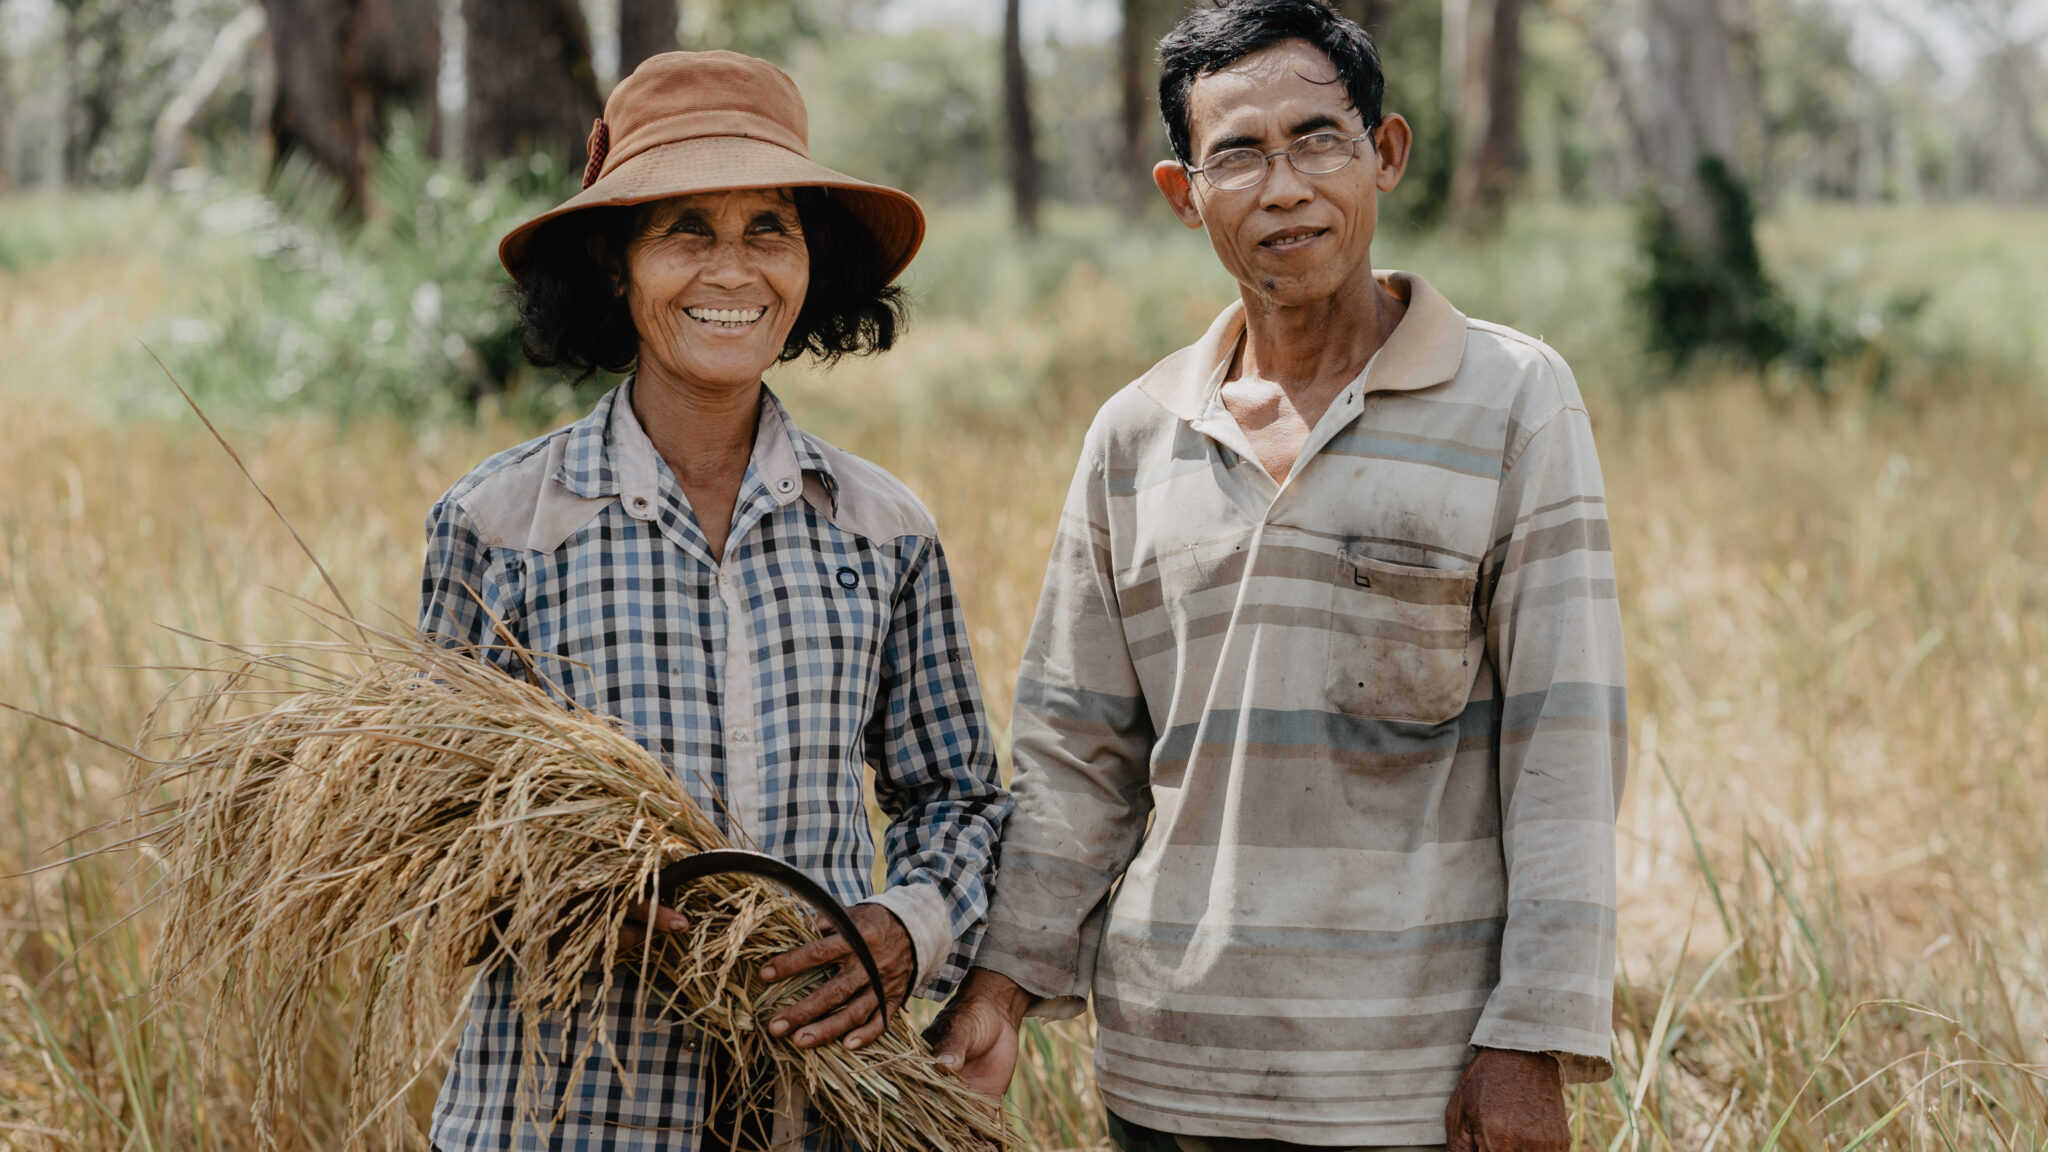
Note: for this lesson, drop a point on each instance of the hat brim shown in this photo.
(731, 164)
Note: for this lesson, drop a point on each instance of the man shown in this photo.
(1320, 728)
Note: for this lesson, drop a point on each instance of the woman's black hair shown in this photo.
(572, 315)
(1210, 39)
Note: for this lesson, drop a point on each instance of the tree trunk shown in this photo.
(1691, 108)
(339, 66)
(1489, 114)
(64, 125)
(1370, 15)
(646, 28)
(1130, 69)
(169, 141)
(6, 124)
(531, 84)
(1017, 121)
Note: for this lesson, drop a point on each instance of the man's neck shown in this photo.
(1317, 348)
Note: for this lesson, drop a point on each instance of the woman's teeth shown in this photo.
(730, 317)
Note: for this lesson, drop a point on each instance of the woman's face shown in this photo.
(714, 282)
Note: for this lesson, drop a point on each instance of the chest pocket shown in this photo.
(1402, 641)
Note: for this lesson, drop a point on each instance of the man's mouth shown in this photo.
(725, 317)
(1291, 240)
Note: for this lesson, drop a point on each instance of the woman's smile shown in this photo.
(733, 318)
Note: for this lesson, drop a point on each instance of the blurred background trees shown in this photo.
(1698, 115)
(1864, 99)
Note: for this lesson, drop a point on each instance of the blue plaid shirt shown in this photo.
(829, 638)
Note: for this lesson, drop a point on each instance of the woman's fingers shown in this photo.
(823, 1000)
(640, 915)
(846, 1023)
(803, 958)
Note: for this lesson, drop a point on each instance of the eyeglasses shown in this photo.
(1316, 154)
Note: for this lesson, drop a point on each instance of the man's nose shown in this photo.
(1285, 187)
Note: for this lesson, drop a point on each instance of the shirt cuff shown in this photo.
(922, 910)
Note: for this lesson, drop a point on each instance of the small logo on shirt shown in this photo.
(848, 578)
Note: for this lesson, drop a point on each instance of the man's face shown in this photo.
(1292, 239)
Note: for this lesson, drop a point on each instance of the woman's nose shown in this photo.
(731, 264)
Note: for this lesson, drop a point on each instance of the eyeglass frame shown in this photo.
(1288, 152)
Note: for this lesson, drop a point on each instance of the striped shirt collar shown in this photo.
(609, 453)
(1424, 350)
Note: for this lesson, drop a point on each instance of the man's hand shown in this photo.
(976, 1036)
(1508, 1102)
(845, 1004)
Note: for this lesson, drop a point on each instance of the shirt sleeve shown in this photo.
(465, 591)
(935, 777)
(1554, 637)
(1081, 738)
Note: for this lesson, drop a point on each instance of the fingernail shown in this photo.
(768, 973)
(805, 1039)
(777, 1027)
(852, 1044)
(949, 1059)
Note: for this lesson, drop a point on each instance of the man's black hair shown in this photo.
(573, 317)
(1208, 40)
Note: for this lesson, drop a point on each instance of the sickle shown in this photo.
(724, 861)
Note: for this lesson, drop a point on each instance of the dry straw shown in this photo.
(381, 826)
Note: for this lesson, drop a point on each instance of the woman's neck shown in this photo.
(706, 436)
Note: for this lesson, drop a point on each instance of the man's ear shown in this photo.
(1179, 190)
(1391, 141)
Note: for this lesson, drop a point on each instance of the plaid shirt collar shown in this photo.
(609, 454)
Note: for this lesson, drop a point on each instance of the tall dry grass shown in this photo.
(1832, 867)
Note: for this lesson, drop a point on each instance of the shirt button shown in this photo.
(785, 485)
(742, 735)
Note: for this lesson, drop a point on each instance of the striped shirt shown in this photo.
(1316, 782)
(828, 639)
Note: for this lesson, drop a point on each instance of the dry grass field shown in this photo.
(1834, 843)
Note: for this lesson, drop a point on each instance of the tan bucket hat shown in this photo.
(688, 122)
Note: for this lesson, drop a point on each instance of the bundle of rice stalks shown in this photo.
(385, 826)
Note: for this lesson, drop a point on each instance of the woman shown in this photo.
(763, 610)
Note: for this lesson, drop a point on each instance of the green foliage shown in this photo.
(406, 313)
(1701, 299)
(915, 111)
(1710, 293)
(1412, 58)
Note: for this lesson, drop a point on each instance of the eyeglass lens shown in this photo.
(1315, 154)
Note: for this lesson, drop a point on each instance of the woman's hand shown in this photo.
(644, 917)
(844, 1006)
(632, 934)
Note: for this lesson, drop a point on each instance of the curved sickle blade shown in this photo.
(721, 861)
